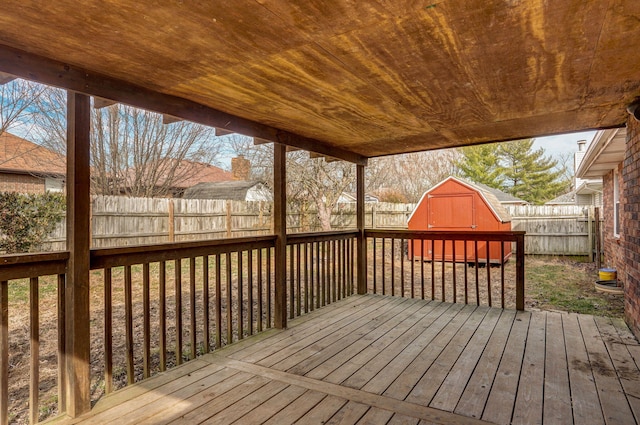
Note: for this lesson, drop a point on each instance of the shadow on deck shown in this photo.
(375, 359)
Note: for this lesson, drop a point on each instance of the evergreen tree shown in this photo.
(481, 164)
(528, 174)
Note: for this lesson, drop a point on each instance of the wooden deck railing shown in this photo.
(449, 266)
(157, 306)
(320, 269)
(25, 274)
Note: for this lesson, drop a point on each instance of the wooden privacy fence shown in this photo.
(557, 230)
(122, 221)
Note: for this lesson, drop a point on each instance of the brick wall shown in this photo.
(631, 230)
(614, 253)
(21, 183)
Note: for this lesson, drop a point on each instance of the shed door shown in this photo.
(452, 212)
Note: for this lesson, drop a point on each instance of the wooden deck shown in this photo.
(374, 359)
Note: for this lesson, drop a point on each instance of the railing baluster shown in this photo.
(298, 281)
(206, 336)
(146, 323)
(422, 267)
(192, 308)
(393, 267)
(108, 331)
(292, 282)
(128, 313)
(311, 278)
(62, 318)
(333, 262)
(466, 275)
(178, 298)
(402, 288)
(4, 352)
(488, 267)
(433, 270)
(323, 272)
(502, 274)
(413, 291)
(375, 266)
(269, 317)
(260, 298)
(475, 243)
(318, 276)
(218, 283)
(250, 291)
(34, 349)
(162, 313)
(384, 260)
(229, 295)
(453, 264)
(443, 270)
(240, 296)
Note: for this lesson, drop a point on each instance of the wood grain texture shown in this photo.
(365, 78)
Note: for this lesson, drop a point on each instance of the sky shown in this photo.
(561, 144)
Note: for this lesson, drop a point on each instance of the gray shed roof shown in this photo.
(229, 190)
(491, 197)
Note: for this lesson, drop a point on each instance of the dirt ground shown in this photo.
(562, 284)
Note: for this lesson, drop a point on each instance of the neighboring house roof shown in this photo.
(18, 155)
(571, 198)
(348, 198)
(187, 173)
(604, 153)
(229, 190)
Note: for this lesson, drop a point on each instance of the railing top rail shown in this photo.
(19, 266)
(121, 256)
(446, 235)
(320, 236)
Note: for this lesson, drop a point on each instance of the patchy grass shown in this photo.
(567, 284)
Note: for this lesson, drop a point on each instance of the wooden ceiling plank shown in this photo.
(100, 102)
(170, 119)
(6, 78)
(48, 71)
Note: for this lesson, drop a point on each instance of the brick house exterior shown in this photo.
(615, 155)
(29, 168)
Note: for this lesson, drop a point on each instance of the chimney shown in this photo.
(582, 145)
(240, 168)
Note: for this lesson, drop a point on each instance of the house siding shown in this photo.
(630, 240)
(21, 183)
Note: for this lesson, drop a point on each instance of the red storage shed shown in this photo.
(457, 205)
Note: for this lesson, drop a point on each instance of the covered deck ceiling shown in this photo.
(353, 79)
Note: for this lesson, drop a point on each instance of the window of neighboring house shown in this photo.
(53, 185)
(616, 204)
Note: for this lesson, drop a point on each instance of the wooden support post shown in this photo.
(280, 230)
(519, 271)
(78, 238)
(361, 241)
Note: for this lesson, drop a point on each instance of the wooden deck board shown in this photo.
(586, 405)
(528, 408)
(374, 359)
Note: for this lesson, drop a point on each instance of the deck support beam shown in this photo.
(361, 241)
(280, 230)
(77, 347)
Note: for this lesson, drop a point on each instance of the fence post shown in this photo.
(227, 205)
(597, 232)
(520, 271)
(172, 222)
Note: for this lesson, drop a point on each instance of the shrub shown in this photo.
(26, 220)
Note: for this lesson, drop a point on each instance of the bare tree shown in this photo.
(17, 98)
(132, 151)
(408, 176)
